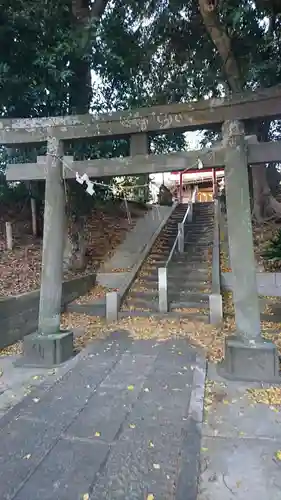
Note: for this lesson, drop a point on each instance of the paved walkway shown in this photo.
(122, 423)
(241, 443)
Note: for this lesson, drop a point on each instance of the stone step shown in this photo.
(90, 309)
(194, 317)
(184, 304)
(187, 264)
(173, 294)
(182, 280)
(140, 304)
(176, 276)
(189, 286)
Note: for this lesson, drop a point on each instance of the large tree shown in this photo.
(182, 50)
(149, 52)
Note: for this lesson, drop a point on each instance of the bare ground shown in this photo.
(20, 269)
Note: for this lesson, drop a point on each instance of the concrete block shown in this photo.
(265, 279)
(47, 350)
(216, 308)
(112, 306)
(250, 360)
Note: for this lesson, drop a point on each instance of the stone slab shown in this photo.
(240, 439)
(108, 408)
(47, 350)
(240, 469)
(137, 398)
(233, 414)
(24, 444)
(147, 458)
(53, 479)
(18, 397)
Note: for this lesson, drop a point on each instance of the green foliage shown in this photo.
(142, 53)
(273, 250)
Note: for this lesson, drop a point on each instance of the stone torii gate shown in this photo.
(49, 345)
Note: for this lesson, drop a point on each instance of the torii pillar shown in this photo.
(247, 355)
(49, 345)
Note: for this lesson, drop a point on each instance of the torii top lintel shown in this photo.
(262, 103)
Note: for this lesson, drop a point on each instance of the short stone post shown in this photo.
(215, 299)
(163, 290)
(9, 236)
(247, 356)
(112, 306)
(50, 346)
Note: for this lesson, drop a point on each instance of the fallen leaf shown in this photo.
(150, 444)
(97, 434)
(130, 387)
(132, 426)
(156, 466)
(86, 496)
(278, 455)
(36, 400)
(150, 496)
(204, 450)
(27, 457)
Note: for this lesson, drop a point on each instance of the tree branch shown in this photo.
(98, 9)
(83, 10)
(222, 42)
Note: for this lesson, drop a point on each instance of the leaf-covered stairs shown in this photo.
(188, 273)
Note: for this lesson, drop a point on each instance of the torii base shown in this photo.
(47, 350)
(250, 362)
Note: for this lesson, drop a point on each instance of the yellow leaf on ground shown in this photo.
(97, 434)
(86, 496)
(278, 455)
(130, 387)
(150, 496)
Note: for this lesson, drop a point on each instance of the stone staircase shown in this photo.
(189, 277)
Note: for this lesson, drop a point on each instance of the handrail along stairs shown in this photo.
(163, 302)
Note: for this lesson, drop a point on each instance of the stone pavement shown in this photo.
(239, 444)
(122, 423)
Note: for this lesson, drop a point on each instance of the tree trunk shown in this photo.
(265, 205)
(85, 17)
